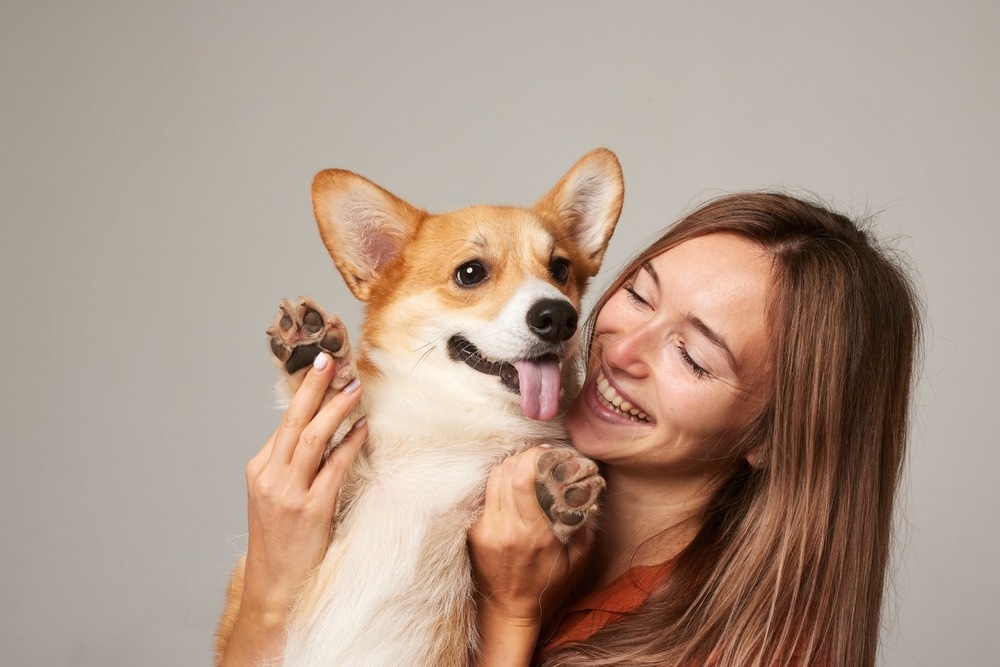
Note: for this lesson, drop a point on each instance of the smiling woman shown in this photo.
(660, 359)
(747, 396)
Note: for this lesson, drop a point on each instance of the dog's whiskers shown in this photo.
(427, 347)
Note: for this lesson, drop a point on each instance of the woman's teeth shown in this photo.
(613, 400)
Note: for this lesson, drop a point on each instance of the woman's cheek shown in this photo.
(700, 408)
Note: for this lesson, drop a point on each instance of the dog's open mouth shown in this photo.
(535, 380)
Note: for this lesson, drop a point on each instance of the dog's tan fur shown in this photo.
(436, 426)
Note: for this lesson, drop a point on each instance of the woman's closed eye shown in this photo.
(697, 370)
(634, 297)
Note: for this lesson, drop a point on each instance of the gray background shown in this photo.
(156, 159)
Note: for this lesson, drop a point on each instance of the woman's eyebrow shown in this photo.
(651, 271)
(715, 339)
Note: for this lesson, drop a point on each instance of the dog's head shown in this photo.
(488, 291)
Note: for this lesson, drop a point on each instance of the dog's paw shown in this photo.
(567, 487)
(300, 332)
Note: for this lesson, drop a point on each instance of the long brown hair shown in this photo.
(789, 565)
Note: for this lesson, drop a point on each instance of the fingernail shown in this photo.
(545, 445)
(352, 386)
(358, 424)
(321, 360)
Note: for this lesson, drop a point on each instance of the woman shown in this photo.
(747, 395)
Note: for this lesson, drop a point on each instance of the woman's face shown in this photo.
(678, 362)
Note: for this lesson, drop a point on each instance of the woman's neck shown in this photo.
(646, 519)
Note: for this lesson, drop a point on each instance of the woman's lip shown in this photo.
(607, 400)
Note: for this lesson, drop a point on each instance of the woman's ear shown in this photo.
(758, 436)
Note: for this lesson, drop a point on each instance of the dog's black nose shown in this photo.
(552, 320)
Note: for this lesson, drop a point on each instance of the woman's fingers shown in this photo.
(302, 408)
(293, 456)
(524, 475)
(510, 490)
(330, 477)
(511, 510)
(308, 454)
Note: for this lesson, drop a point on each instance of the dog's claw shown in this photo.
(567, 486)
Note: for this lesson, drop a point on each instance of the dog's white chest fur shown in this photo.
(397, 581)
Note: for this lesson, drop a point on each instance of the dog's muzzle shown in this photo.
(535, 380)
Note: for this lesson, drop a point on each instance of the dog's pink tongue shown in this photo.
(539, 383)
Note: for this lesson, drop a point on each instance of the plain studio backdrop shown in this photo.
(156, 162)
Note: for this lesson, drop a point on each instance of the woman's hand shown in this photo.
(292, 494)
(522, 570)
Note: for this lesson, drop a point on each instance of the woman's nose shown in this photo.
(628, 351)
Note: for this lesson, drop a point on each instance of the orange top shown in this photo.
(596, 609)
(621, 597)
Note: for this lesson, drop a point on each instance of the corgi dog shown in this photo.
(467, 356)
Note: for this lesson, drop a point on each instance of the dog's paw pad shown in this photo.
(302, 331)
(567, 486)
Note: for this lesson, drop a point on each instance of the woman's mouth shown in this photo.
(612, 400)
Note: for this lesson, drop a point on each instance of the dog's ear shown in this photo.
(363, 226)
(587, 202)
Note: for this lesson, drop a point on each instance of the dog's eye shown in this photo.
(559, 268)
(470, 273)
